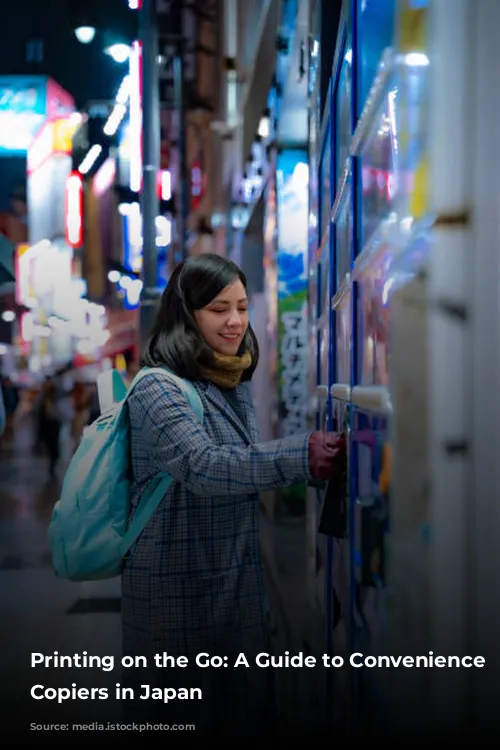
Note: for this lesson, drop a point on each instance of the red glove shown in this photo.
(327, 455)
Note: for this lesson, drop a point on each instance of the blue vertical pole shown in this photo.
(356, 240)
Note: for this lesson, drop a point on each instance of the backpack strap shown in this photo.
(154, 494)
(144, 511)
(188, 388)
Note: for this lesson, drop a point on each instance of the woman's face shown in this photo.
(224, 321)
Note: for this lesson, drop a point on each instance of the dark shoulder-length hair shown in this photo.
(176, 340)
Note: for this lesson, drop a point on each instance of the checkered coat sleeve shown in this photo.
(194, 581)
(207, 458)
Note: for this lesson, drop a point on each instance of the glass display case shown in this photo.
(324, 310)
(325, 187)
(373, 318)
(393, 150)
(343, 111)
(376, 31)
(393, 157)
(380, 168)
(343, 235)
(376, 207)
(343, 317)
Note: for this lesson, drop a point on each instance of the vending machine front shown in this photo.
(388, 151)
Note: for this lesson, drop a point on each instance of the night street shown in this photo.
(40, 613)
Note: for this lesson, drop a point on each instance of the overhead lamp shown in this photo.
(85, 34)
(119, 52)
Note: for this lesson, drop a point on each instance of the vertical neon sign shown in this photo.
(136, 117)
(74, 210)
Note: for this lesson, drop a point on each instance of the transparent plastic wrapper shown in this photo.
(343, 315)
(391, 141)
(393, 163)
(374, 319)
(325, 187)
(324, 309)
(391, 265)
(343, 230)
(324, 342)
(344, 111)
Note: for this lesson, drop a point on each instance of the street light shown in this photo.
(84, 20)
(119, 52)
(117, 49)
(85, 34)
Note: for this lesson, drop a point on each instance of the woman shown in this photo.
(193, 583)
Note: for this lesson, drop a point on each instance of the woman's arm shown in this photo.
(181, 447)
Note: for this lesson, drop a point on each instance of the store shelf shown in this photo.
(341, 392)
(372, 398)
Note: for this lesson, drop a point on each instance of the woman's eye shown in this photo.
(224, 309)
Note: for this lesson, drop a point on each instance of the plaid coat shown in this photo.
(193, 583)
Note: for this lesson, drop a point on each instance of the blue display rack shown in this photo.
(362, 173)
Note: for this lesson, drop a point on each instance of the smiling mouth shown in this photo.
(230, 337)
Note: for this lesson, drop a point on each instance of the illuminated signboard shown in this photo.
(25, 286)
(43, 275)
(59, 102)
(74, 210)
(54, 137)
(25, 104)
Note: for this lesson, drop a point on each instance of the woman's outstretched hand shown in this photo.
(327, 455)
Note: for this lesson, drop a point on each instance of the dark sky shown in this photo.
(83, 70)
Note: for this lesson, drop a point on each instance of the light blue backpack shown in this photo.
(89, 535)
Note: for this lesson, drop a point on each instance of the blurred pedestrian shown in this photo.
(54, 410)
(10, 399)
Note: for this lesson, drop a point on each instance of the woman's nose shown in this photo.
(234, 318)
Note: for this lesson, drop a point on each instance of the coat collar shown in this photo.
(248, 428)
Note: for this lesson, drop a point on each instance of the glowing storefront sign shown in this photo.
(73, 217)
(133, 228)
(55, 137)
(25, 103)
(25, 266)
(22, 111)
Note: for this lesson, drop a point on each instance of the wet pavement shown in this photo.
(41, 614)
